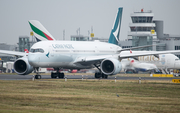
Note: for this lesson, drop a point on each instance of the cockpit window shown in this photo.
(37, 50)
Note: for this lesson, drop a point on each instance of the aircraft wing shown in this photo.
(131, 55)
(95, 59)
(15, 53)
(125, 49)
(92, 58)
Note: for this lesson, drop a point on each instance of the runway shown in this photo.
(28, 77)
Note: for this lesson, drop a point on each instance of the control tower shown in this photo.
(142, 29)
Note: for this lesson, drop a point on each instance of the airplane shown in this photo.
(165, 61)
(133, 66)
(40, 35)
(106, 57)
(26, 51)
(115, 32)
(114, 38)
(162, 61)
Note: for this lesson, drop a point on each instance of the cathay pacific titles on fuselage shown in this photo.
(62, 46)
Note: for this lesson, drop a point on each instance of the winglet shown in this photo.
(114, 36)
(40, 31)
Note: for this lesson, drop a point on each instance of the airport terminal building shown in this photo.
(141, 28)
(146, 31)
(87, 38)
(24, 43)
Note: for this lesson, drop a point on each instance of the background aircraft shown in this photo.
(163, 62)
(40, 32)
(131, 65)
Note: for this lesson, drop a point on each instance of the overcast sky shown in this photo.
(69, 15)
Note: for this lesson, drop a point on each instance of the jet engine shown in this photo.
(111, 66)
(22, 66)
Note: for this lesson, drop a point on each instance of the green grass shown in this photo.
(89, 96)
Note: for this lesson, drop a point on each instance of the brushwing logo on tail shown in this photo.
(116, 33)
(114, 36)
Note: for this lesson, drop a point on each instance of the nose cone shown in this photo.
(177, 65)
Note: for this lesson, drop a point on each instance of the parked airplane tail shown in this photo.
(26, 51)
(114, 36)
(40, 31)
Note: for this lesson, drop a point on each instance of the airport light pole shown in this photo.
(32, 34)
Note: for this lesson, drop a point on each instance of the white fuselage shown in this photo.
(165, 61)
(64, 53)
(141, 66)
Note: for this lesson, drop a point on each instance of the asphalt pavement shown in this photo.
(28, 77)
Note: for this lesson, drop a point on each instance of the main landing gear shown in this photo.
(57, 74)
(53, 75)
(100, 74)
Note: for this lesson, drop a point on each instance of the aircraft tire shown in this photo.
(105, 76)
(95, 75)
(61, 75)
(53, 75)
(37, 76)
(98, 75)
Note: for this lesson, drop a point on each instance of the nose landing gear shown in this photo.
(37, 76)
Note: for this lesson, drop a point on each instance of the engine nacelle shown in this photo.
(22, 66)
(111, 66)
